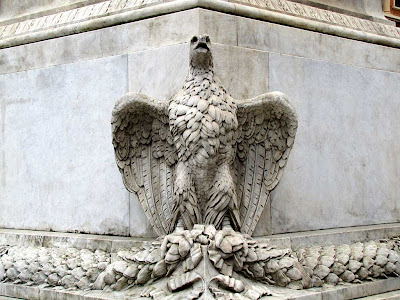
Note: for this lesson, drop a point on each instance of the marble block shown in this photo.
(57, 162)
(58, 168)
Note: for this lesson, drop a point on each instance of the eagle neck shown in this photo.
(197, 71)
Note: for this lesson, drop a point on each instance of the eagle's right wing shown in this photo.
(146, 156)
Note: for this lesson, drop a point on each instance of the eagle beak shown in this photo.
(202, 45)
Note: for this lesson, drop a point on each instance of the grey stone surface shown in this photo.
(297, 42)
(57, 167)
(380, 289)
(104, 268)
(29, 238)
(358, 291)
(254, 65)
(395, 295)
(344, 168)
(157, 40)
(160, 73)
(222, 28)
(243, 72)
(138, 223)
(20, 292)
(16, 9)
(117, 40)
(58, 170)
(62, 295)
(369, 9)
(115, 12)
(349, 235)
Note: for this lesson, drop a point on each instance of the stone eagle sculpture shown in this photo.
(202, 156)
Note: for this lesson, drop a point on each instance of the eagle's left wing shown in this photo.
(267, 128)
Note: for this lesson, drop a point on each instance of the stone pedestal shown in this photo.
(57, 164)
(110, 246)
(63, 67)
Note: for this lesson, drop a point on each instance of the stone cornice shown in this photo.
(114, 12)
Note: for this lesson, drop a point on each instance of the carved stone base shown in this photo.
(204, 282)
(203, 263)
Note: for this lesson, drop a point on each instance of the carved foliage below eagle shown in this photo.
(202, 156)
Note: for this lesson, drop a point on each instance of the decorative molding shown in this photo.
(113, 12)
(219, 263)
(325, 16)
(115, 249)
(80, 14)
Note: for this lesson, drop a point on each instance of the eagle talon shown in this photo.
(226, 224)
(179, 226)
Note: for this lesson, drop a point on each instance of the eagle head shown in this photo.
(200, 52)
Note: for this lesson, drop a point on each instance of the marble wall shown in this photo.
(58, 169)
(57, 165)
(345, 166)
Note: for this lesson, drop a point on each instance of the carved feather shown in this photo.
(145, 155)
(267, 127)
(207, 131)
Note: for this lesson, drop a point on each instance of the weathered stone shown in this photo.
(332, 278)
(363, 273)
(2, 272)
(39, 278)
(327, 261)
(311, 262)
(78, 273)
(131, 271)
(34, 267)
(20, 265)
(68, 281)
(338, 268)
(53, 279)
(354, 266)
(143, 275)
(321, 271)
(25, 275)
(6, 261)
(381, 260)
(231, 24)
(92, 273)
(47, 268)
(100, 282)
(294, 274)
(347, 276)
(83, 283)
(271, 266)
(393, 256)
(12, 273)
(313, 75)
(109, 276)
(120, 267)
(97, 216)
